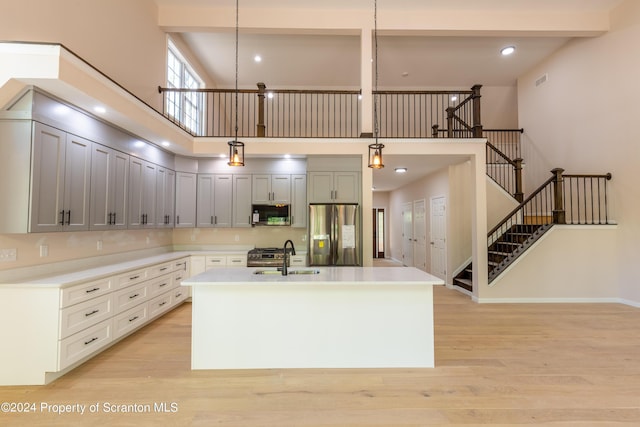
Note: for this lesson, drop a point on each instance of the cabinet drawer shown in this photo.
(131, 319)
(80, 316)
(212, 261)
(179, 295)
(236, 261)
(178, 276)
(130, 297)
(181, 264)
(160, 269)
(130, 278)
(82, 344)
(160, 285)
(160, 304)
(84, 292)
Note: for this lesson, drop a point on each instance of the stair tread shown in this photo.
(465, 281)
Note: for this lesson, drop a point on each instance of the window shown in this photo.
(187, 108)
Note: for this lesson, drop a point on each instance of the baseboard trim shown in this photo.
(570, 300)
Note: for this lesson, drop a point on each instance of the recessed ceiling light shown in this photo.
(138, 144)
(405, 74)
(506, 51)
(401, 170)
(287, 156)
(222, 156)
(166, 143)
(100, 110)
(257, 58)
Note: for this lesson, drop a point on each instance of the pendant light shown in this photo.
(375, 150)
(236, 148)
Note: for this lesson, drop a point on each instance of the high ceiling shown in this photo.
(459, 53)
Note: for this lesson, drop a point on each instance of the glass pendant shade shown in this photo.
(375, 156)
(236, 153)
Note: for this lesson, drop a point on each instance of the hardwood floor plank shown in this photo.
(496, 364)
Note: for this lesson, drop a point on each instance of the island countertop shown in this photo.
(326, 276)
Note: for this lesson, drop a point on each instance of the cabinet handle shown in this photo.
(177, 220)
(91, 313)
(335, 194)
(134, 296)
(179, 295)
(211, 219)
(215, 220)
(134, 277)
(163, 268)
(162, 285)
(114, 218)
(69, 217)
(61, 218)
(91, 340)
(162, 303)
(88, 291)
(134, 318)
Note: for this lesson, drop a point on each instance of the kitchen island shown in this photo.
(341, 317)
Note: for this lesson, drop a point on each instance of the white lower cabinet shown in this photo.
(67, 325)
(130, 320)
(82, 344)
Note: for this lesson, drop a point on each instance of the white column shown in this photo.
(366, 80)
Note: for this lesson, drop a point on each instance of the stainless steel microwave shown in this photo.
(271, 215)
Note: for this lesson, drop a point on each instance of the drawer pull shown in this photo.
(91, 340)
(163, 268)
(164, 284)
(179, 295)
(134, 277)
(92, 290)
(92, 313)
(134, 296)
(162, 303)
(178, 278)
(134, 318)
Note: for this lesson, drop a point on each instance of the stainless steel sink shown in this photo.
(290, 272)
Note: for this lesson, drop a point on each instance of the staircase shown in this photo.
(562, 199)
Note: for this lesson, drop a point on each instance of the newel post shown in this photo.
(519, 194)
(477, 116)
(260, 126)
(558, 203)
(434, 131)
(450, 114)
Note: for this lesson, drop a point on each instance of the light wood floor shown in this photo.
(506, 364)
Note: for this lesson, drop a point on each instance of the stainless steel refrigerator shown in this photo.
(334, 234)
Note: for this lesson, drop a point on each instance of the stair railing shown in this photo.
(505, 172)
(562, 199)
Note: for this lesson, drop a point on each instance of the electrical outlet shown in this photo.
(44, 251)
(237, 238)
(99, 245)
(7, 255)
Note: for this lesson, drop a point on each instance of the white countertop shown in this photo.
(327, 276)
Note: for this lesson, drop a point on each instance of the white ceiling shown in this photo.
(332, 61)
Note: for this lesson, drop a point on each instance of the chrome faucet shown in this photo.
(284, 259)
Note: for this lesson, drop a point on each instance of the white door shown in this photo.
(420, 235)
(407, 234)
(438, 237)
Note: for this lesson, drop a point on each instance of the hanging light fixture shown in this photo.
(375, 150)
(236, 148)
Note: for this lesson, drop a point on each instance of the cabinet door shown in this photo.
(109, 177)
(320, 189)
(170, 199)
(261, 189)
(281, 189)
(47, 186)
(186, 184)
(100, 211)
(204, 202)
(299, 201)
(222, 194)
(136, 184)
(241, 201)
(77, 182)
(149, 193)
(346, 187)
(164, 197)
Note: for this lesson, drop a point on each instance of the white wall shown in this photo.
(584, 119)
(119, 37)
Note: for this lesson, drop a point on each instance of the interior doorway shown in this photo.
(439, 237)
(378, 232)
(407, 234)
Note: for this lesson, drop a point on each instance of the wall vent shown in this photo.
(542, 79)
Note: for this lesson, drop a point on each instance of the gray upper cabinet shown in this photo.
(186, 185)
(165, 197)
(60, 182)
(241, 201)
(299, 201)
(142, 193)
(271, 189)
(334, 187)
(109, 184)
(215, 193)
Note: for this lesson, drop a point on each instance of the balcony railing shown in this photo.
(285, 113)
